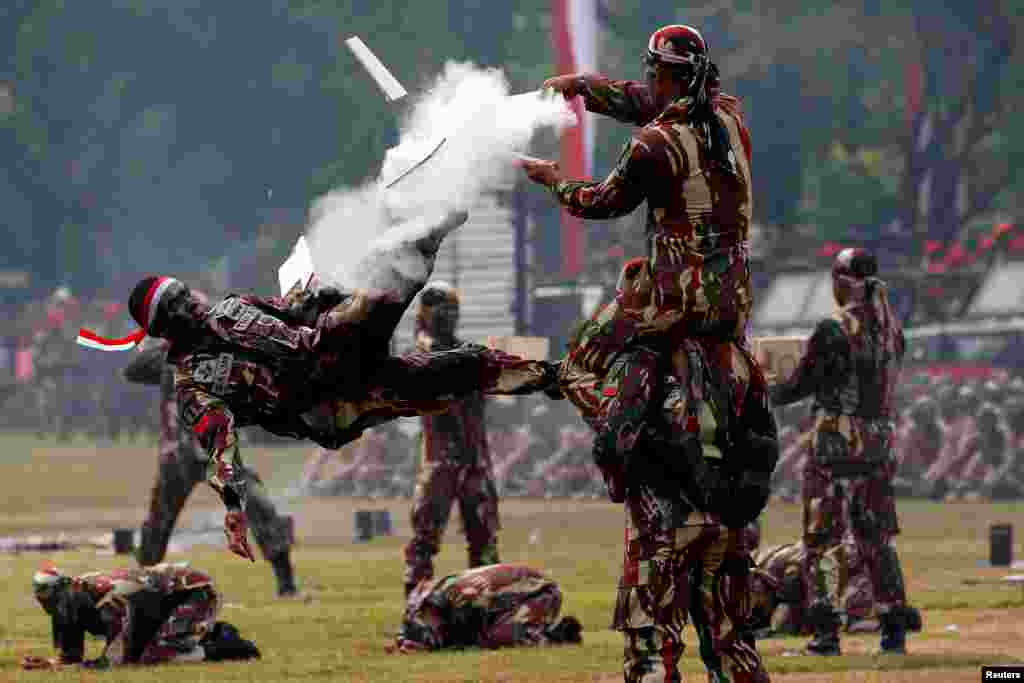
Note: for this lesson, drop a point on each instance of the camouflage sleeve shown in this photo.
(213, 423)
(626, 101)
(828, 351)
(147, 367)
(621, 192)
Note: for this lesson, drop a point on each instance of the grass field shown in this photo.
(357, 596)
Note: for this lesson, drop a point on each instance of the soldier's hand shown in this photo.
(568, 85)
(34, 663)
(236, 529)
(540, 171)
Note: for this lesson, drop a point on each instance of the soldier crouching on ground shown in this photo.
(500, 605)
(154, 615)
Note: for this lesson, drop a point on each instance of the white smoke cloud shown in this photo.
(484, 128)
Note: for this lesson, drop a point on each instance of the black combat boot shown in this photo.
(224, 643)
(825, 621)
(282, 565)
(894, 632)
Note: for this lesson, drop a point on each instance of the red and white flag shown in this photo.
(574, 32)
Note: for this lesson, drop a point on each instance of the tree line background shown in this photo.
(139, 135)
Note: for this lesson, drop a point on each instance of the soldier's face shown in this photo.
(177, 313)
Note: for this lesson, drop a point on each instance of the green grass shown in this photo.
(357, 589)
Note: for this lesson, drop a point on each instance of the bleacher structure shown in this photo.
(983, 320)
(479, 260)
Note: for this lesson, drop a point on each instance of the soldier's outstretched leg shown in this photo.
(391, 274)
(273, 534)
(478, 506)
(431, 509)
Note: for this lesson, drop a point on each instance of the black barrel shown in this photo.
(363, 530)
(124, 541)
(1001, 545)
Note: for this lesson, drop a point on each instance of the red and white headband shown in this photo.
(150, 304)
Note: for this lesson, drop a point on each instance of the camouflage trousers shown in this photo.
(697, 569)
(850, 523)
(179, 636)
(439, 484)
(176, 477)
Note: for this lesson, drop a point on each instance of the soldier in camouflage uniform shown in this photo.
(690, 161)
(182, 464)
(315, 365)
(455, 462)
(679, 319)
(500, 605)
(153, 615)
(851, 367)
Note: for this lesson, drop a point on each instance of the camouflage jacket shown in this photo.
(698, 216)
(124, 606)
(852, 379)
(257, 364)
(458, 436)
(459, 610)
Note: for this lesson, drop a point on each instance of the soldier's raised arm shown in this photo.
(626, 101)
(211, 420)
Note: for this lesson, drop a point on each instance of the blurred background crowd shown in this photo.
(192, 138)
(960, 435)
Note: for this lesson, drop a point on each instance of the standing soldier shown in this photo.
(690, 161)
(183, 464)
(851, 367)
(455, 463)
(679, 317)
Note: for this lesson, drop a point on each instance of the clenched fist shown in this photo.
(236, 529)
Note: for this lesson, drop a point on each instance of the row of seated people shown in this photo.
(545, 456)
(953, 441)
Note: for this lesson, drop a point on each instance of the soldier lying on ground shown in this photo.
(499, 605)
(164, 613)
(315, 365)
